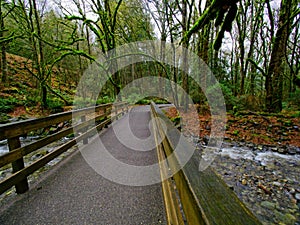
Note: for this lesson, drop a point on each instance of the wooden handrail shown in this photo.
(21, 128)
(25, 150)
(204, 196)
(13, 131)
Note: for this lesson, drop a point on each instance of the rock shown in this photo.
(277, 184)
(231, 187)
(284, 139)
(288, 219)
(13, 120)
(292, 191)
(23, 117)
(293, 201)
(268, 205)
(52, 130)
(277, 164)
(270, 166)
(297, 197)
(260, 147)
(295, 207)
(206, 139)
(2, 174)
(61, 125)
(292, 150)
(244, 182)
(250, 145)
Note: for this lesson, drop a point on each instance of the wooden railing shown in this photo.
(88, 118)
(204, 196)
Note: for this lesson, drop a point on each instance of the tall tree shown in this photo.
(104, 29)
(5, 9)
(40, 49)
(186, 9)
(249, 16)
(160, 16)
(274, 76)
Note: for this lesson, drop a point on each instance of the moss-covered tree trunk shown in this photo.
(3, 47)
(185, 85)
(3, 63)
(204, 43)
(241, 24)
(274, 76)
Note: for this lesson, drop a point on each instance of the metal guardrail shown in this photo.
(203, 195)
(13, 131)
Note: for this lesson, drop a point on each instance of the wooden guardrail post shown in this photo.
(123, 109)
(85, 140)
(22, 186)
(116, 111)
(12, 132)
(105, 111)
(105, 116)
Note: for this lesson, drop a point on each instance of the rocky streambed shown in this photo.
(265, 178)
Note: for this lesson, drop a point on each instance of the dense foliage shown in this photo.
(252, 47)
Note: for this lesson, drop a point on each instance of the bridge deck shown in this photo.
(73, 193)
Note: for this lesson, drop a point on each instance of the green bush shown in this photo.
(55, 105)
(30, 101)
(7, 105)
(176, 120)
(296, 114)
(160, 101)
(148, 100)
(143, 102)
(104, 100)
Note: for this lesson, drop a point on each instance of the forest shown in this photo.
(252, 48)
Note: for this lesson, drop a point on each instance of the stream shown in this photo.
(31, 139)
(265, 178)
(24, 141)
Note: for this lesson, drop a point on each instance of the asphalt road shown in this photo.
(74, 193)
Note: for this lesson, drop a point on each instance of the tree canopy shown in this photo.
(252, 47)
